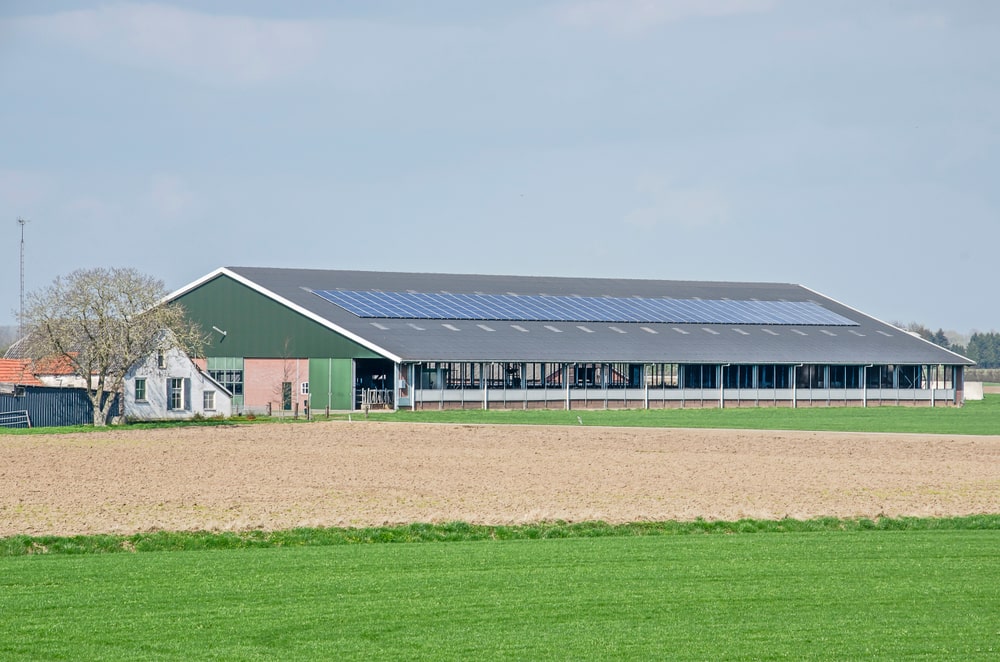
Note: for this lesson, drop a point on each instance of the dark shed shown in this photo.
(48, 406)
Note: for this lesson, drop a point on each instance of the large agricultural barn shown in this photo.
(325, 339)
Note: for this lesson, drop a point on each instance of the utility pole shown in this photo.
(20, 317)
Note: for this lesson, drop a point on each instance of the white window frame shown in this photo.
(140, 389)
(174, 390)
(304, 388)
(208, 400)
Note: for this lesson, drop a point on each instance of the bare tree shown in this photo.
(288, 370)
(100, 322)
(8, 334)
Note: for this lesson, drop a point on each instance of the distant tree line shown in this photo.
(983, 348)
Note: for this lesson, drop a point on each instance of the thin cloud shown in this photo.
(191, 44)
(636, 16)
(671, 206)
(170, 196)
(22, 189)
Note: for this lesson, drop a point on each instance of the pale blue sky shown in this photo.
(850, 146)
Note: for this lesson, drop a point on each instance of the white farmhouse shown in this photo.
(168, 385)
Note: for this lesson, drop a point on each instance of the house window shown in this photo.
(161, 359)
(208, 399)
(175, 393)
(286, 396)
(304, 388)
(140, 389)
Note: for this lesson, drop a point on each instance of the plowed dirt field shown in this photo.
(372, 473)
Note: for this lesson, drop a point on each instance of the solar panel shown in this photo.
(544, 308)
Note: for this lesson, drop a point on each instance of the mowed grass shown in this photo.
(978, 417)
(861, 594)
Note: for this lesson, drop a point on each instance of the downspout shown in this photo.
(397, 378)
(864, 385)
(486, 386)
(958, 379)
(795, 386)
(566, 379)
(932, 383)
(605, 369)
(645, 381)
(722, 385)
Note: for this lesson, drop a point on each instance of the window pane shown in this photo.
(175, 393)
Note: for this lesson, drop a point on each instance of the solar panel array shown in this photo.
(543, 308)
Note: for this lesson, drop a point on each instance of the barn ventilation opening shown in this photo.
(373, 383)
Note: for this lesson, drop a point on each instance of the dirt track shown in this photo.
(367, 473)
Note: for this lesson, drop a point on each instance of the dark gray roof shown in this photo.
(870, 341)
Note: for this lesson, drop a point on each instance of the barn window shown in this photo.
(208, 400)
(701, 376)
(909, 376)
(738, 376)
(304, 388)
(232, 380)
(810, 376)
(881, 376)
(661, 375)
(140, 389)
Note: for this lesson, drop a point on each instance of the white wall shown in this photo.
(176, 364)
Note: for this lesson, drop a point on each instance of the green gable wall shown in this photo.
(259, 327)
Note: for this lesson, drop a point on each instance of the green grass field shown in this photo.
(976, 417)
(860, 594)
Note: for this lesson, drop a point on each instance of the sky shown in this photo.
(849, 146)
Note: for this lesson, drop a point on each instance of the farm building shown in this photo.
(327, 339)
(168, 385)
(43, 395)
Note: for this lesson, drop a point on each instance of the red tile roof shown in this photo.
(18, 371)
(58, 365)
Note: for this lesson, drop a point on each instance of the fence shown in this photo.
(376, 398)
(15, 419)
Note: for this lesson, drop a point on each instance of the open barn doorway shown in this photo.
(373, 383)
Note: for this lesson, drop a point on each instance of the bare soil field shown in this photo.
(371, 473)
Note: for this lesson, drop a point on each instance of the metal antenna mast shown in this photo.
(20, 318)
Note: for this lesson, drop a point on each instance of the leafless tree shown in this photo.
(8, 334)
(287, 372)
(101, 321)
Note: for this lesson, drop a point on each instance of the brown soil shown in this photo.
(368, 473)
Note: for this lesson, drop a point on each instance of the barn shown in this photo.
(297, 339)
